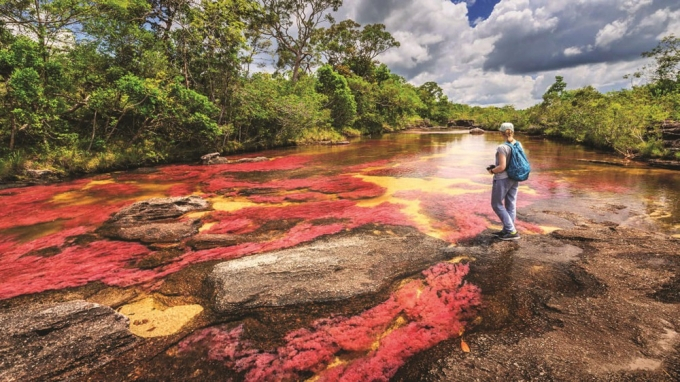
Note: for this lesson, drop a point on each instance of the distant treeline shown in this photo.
(627, 121)
(95, 85)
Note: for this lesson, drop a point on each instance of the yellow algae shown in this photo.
(152, 190)
(98, 183)
(412, 207)
(458, 259)
(77, 198)
(527, 190)
(84, 197)
(206, 226)
(150, 318)
(33, 232)
(337, 361)
(197, 214)
(398, 323)
(548, 229)
(232, 204)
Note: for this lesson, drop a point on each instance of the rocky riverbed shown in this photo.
(596, 299)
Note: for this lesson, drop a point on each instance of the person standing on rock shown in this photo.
(504, 190)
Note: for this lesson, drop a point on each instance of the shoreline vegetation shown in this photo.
(114, 85)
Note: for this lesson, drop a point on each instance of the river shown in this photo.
(435, 183)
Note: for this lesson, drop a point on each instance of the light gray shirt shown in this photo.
(505, 150)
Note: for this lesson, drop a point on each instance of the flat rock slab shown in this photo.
(155, 232)
(158, 209)
(62, 341)
(156, 220)
(331, 269)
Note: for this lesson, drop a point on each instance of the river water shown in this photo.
(434, 182)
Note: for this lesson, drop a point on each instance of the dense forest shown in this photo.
(89, 86)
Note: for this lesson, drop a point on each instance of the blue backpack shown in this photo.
(518, 167)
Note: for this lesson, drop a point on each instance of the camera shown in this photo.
(491, 167)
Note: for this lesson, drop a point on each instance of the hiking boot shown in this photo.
(499, 233)
(509, 236)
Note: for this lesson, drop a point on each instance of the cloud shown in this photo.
(572, 51)
(514, 55)
(611, 32)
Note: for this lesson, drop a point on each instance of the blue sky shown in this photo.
(478, 10)
(508, 52)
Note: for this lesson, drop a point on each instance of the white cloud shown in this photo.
(673, 25)
(572, 51)
(655, 18)
(409, 54)
(611, 32)
(633, 6)
(513, 56)
(483, 88)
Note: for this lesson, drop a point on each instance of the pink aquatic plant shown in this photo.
(370, 346)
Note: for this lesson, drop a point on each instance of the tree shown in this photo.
(555, 91)
(293, 23)
(666, 73)
(340, 99)
(344, 44)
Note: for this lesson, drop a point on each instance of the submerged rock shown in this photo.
(60, 341)
(331, 269)
(155, 220)
(476, 130)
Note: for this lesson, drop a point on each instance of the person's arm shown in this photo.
(501, 164)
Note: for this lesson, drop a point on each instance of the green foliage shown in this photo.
(273, 111)
(341, 103)
(89, 86)
(346, 45)
(437, 107)
(665, 72)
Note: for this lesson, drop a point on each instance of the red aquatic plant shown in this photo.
(75, 265)
(416, 317)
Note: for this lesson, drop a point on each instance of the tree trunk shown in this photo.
(14, 131)
(94, 126)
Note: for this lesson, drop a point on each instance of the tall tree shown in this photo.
(292, 23)
(666, 55)
(345, 44)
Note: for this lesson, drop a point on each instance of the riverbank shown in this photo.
(23, 176)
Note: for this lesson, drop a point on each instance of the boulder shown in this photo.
(60, 342)
(158, 209)
(155, 220)
(155, 232)
(331, 269)
(476, 131)
(40, 174)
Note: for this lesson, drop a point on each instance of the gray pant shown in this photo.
(505, 190)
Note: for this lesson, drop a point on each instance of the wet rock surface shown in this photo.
(595, 300)
(155, 220)
(331, 269)
(60, 341)
(605, 314)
